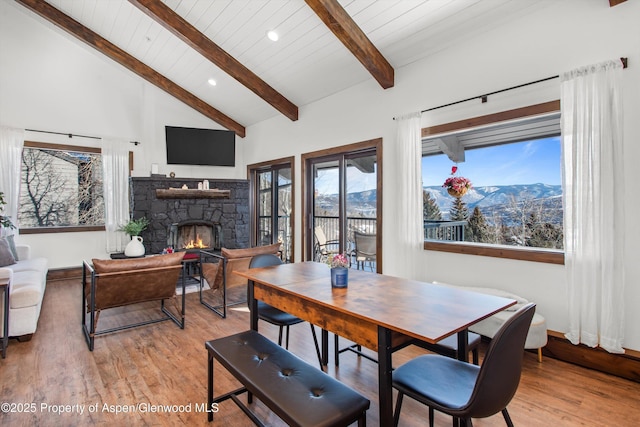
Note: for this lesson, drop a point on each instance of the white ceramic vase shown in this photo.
(134, 248)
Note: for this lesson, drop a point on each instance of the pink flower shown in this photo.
(457, 183)
(338, 260)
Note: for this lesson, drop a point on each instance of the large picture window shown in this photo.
(61, 188)
(515, 200)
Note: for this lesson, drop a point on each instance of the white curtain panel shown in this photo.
(593, 185)
(11, 144)
(409, 158)
(115, 166)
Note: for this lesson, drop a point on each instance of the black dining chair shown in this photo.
(468, 391)
(276, 316)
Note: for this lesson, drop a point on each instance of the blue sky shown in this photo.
(527, 162)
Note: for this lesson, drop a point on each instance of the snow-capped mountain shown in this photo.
(492, 198)
(495, 195)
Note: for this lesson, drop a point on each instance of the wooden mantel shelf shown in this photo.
(179, 193)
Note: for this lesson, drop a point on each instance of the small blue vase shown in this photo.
(339, 277)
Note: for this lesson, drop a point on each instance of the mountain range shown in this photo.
(492, 200)
(495, 199)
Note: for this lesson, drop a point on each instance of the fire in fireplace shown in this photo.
(193, 235)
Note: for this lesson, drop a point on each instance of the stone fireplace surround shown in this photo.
(232, 212)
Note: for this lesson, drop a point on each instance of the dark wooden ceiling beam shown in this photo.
(186, 32)
(615, 2)
(107, 48)
(354, 39)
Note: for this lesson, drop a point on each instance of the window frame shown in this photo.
(497, 251)
(64, 147)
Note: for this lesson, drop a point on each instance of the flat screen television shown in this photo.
(191, 146)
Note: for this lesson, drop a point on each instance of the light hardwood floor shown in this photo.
(161, 364)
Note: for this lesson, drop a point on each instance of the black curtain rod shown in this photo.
(484, 97)
(71, 135)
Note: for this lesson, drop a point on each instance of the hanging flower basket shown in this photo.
(457, 186)
(457, 193)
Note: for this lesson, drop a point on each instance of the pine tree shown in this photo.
(543, 234)
(430, 210)
(459, 210)
(478, 229)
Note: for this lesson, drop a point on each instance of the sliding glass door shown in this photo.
(343, 205)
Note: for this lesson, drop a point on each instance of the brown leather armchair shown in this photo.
(116, 283)
(217, 270)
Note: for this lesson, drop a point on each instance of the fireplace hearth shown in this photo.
(192, 235)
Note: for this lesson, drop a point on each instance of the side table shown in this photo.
(4, 285)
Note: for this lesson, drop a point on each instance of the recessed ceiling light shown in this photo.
(273, 36)
(212, 82)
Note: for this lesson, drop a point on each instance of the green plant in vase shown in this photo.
(133, 228)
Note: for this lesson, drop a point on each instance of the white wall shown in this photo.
(52, 82)
(558, 38)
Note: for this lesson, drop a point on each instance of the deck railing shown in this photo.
(451, 231)
(433, 230)
(331, 226)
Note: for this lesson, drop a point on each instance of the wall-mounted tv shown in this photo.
(191, 146)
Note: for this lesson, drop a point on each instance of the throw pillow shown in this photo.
(6, 257)
(12, 246)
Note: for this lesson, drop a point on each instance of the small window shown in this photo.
(516, 194)
(61, 187)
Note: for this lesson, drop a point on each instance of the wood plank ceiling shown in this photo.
(325, 46)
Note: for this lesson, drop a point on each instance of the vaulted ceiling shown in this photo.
(324, 46)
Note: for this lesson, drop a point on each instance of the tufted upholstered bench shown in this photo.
(300, 394)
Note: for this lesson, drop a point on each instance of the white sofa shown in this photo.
(28, 279)
(537, 336)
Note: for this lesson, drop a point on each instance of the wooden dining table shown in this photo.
(377, 311)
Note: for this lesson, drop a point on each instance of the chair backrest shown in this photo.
(264, 260)
(500, 372)
(237, 260)
(129, 281)
(320, 236)
(365, 244)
